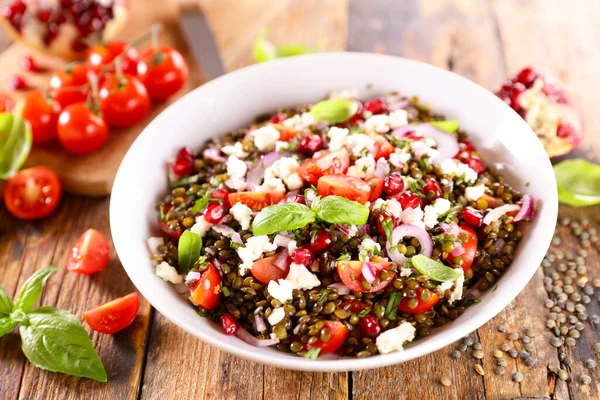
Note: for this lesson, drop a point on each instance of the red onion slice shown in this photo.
(247, 337)
(526, 208)
(382, 169)
(406, 230)
(214, 154)
(229, 232)
(496, 213)
(259, 323)
(153, 244)
(192, 277)
(399, 105)
(454, 230)
(281, 261)
(341, 288)
(257, 173)
(343, 228)
(367, 271)
(447, 144)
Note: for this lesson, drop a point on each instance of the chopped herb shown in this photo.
(202, 263)
(424, 163)
(365, 169)
(235, 245)
(356, 129)
(344, 257)
(185, 181)
(443, 238)
(527, 184)
(322, 296)
(364, 312)
(388, 225)
(201, 203)
(161, 213)
(313, 353)
(448, 216)
(397, 142)
(416, 185)
(298, 234)
(202, 314)
(352, 277)
(225, 291)
(392, 306)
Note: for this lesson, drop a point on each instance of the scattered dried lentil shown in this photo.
(517, 377)
(478, 354)
(563, 375)
(444, 380)
(513, 336)
(498, 354)
(585, 379)
(589, 363)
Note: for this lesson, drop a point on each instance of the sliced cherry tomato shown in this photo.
(102, 55)
(90, 253)
(168, 225)
(42, 114)
(80, 130)
(256, 200)
(69, 85)
(266, 271)
(286, 134)
(491, 201)
(469, 247)
(115, 315)
(383, 148)
(333, 162)
(352, 188)
(32, 193)
(339, 334)
(163, 73)
(7, 103)
(351, 273)
(422, 306)
(124, 101)
(206, 291)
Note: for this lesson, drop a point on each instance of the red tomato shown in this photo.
(163, 73)
(7, 103)
(351, 273)
(339, 334)
(256, 200)
(115, 315)
(491, 201)
(102, 55)
(333, 162)
(123, 101)
(286, 134)
(90, 254)
(346, 186)
(354, 307)
(376, 188)
(266, 271)
(383, 148)
(32, 193)
(172, 230)
(469, 247)
(69, 85)
(42, 114)
(206, 291)
(422, 306)
(80, 130)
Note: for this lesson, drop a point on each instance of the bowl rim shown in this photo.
(345, 363)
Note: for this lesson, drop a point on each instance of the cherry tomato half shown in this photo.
(69, 85)
(206, 291)
(422, 306)
(80, 130)
(90, 253)
(350, 187)
(163, 73)
(123, 101)
(469, 247)
(42, 114)
(32, 193)
(115, 315)
(339, 334)
(383, 148)
(350, 273)
(256, 200)
(333, 162)
(376, 188)
(266, 271)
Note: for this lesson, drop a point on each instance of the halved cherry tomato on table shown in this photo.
(90, 253)
(163, 73)
(124, 100)
(422, 306)
(376, 188)
(80, 130)
(115, 315)
(333, 162)
(350, 273)
(206, 291)
(339, 334)
(7, 103)
(42, 114)
(32, 193)
(102, 55)
(469, 247)
(256, 200)
(70, 85)
(383, 148)
(350, 187)
(266, 271)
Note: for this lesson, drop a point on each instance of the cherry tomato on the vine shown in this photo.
(163, 73)
(102, 55)
(42, 114)
(123, 100)
(70, 85)
(80, 130)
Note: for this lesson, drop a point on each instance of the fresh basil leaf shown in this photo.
(578, 182)
(201, 203)
(448, 126)
(55, 340)
(334, 111)
(188, 250)
(7, 325)
(290, 50)
(340, 210)
(31, 290)
(435, 270)
(15, 143)
(6, 304)
(282, 217)
(263, 49)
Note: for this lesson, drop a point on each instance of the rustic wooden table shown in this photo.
(483, 40)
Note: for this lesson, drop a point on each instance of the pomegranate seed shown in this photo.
(16, 83)
(382, 217)
(554, 93)
(472, 217)
(413, 136)
(515, 92)
(358, 115)
(29, 64)
(229, 324)
(466, 145)
(370, 326)
(277, 118)
(527, 76)
(376, 106)
(565, 130)
(393, 184)
(327, 262)
(44, 15)
(310, 144)
(431, 190)
(214, 212)
(408, 200)
(221, 194)
(303, 256)
(476, 164)
(183, 167)
(185, 152)
(321, 241)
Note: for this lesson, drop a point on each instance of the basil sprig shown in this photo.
(334, 111)
(15, 143)
(435, 270)
(289, 216)
(578, 182)
(450, 126)
(52, 339)
(188, 250)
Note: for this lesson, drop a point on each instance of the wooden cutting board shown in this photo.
(93, 174)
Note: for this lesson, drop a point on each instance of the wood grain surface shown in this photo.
(483, 40)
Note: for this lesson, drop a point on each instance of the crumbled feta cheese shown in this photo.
(363, 168)
(399, 157)
(394, 339)
(273, 184)
(442, 287)
(379, 204)
(421, 149)
(369, 247)
(433, 212)
(468, 174)
(360, 144)
(398, 118)
(265, 138)
(294, 182)
(404, 272)
(457, 292)
(412, 216)
(300, 122)
(281, 146)
(235, 150)
(377, 124)
(281, 290)
(255, 246)
(277, 314)
(347, 94)
(201, 226)
(448, 167)
(394, 207)
(237, 169)
(285, 169)
(168, 273)
(473, 193)
(301, 278)
(292, 246)
(242, 214)
(337, 137)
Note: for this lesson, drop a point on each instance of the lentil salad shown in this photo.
(349, 227)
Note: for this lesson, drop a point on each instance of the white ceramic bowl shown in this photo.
(232, 102)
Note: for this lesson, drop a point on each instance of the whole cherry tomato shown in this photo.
(163, 73)
(124, 100)
(102, 55)
(32, 193)
(70, 85)
(42, 114)
(80, 130)
(7, 103)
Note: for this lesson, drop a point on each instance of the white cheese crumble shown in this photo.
(348, 94)
(377, 124)
(285, 169)
(379, 204)
(421, 149)
(301, 278)
(459, 170)
(273, 184)
(292, 246)
(201, 226)
(399, 157)
(277, 314)
(394, 207)
(369, 246)
(412, 216)
(242, 214)
(393, 339)
(433, 212)
(300, 122)
(363, 168)
(237, 169)
(168, 273)
(265, 138)
(235, 150)
(337, 137)
(457, 292)
(281, 290)
(360, 144)
(473, 193)
(255, 246)
(404, 272)
(281, 146)
(398, 118)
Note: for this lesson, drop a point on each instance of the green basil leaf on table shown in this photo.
(264, 50)
(340, 210)
(435, 270)
(6, 304)
(578, 182)
(55, 340)
(282, 217)
(15, 143)
(188, 250)
(334, 111)
(6, 325)
(31, 290)
(450, 126)
(290, 50)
